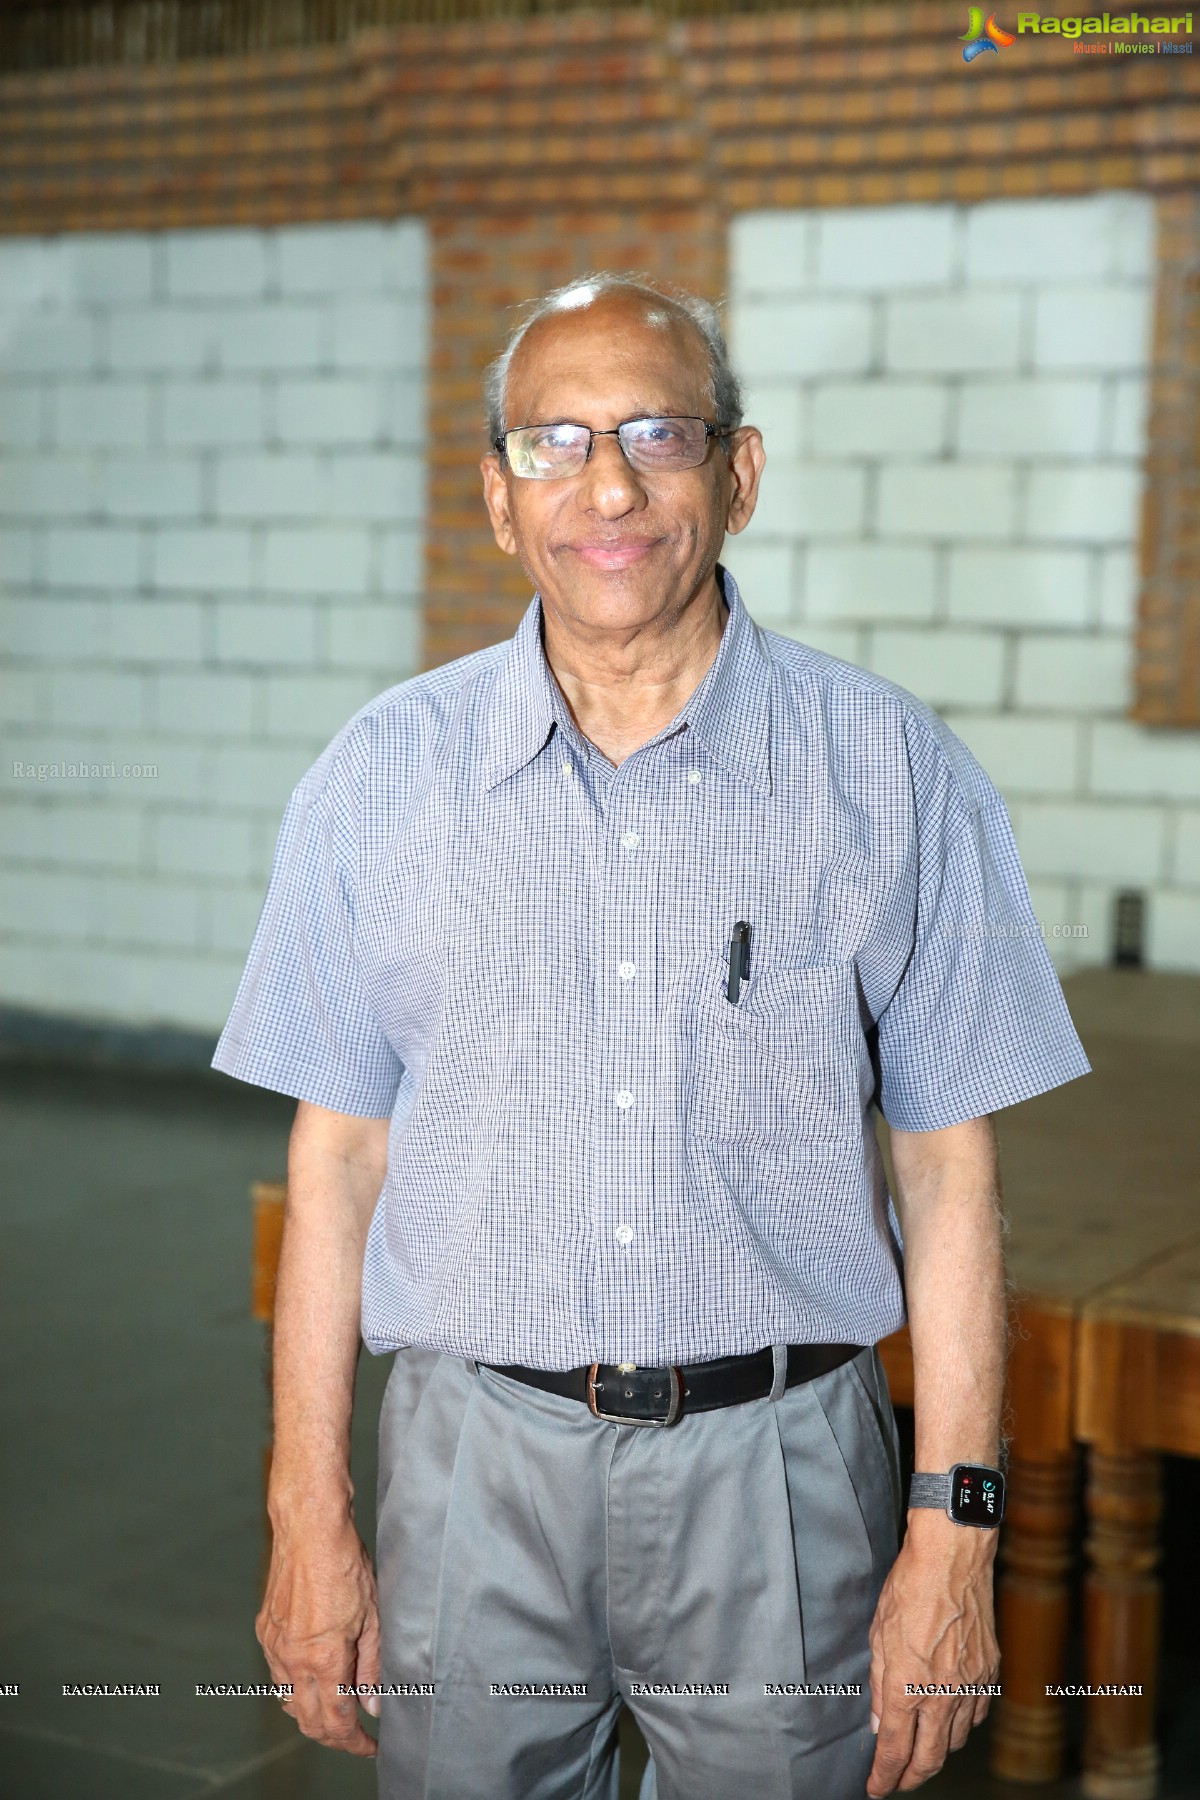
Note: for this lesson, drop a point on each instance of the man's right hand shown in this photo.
(319, 1621)
(318, 1626)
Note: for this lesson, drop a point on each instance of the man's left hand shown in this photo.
(934, 1627)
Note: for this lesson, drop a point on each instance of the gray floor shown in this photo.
(133, 1422)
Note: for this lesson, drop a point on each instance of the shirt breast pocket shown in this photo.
(783, 1063)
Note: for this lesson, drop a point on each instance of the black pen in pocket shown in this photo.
(739, 960)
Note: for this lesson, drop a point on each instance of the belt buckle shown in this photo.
(674, 1405)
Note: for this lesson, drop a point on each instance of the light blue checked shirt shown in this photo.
(479, 927)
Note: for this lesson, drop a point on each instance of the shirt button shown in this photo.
(626, 971)
(630, 840)
(693, 775)
(624, 1234)
(623, 1098)
(568, 767)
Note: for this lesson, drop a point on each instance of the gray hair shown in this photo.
(725, 390)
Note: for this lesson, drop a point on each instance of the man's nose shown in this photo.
(609, 485)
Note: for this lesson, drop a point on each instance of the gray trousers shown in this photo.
(683, 1571)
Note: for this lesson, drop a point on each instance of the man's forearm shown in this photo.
(949, 1206)
(335, 1171)
(934, 1627)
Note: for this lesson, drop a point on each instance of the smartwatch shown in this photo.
(971, 1494)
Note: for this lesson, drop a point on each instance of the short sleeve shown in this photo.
(978, 1021)
(302, 1022)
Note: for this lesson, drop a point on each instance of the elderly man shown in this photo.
(589, 958)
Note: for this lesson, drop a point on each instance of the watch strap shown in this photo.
(930, 1490)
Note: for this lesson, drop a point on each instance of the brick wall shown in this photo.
(586, 127)
(954, 400)
(211, 522)
(534, 149)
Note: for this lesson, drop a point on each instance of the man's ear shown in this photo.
(747, 459)
(495, 494)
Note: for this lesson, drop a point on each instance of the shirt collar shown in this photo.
(729, 713)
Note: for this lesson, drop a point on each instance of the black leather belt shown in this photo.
(629, 1395)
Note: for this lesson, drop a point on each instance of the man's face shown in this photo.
(612, 546)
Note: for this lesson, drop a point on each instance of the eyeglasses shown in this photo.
(652, 446)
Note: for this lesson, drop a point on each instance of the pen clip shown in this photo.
(739, 960)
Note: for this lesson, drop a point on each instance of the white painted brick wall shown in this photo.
(953, 333)
(868, 582)
(316, 559)
(1080, 673)
(1021, 752)
(1092, 327)
(215, 265)
(1094, 503)
(802, 337)
(1174, 928)
(874, 418)
(913, 246)
(1038, 418)
(1017, 587)
(214, 413)
(811, 499)
(950, 668)
(936, 499)
(211, 541)
(91, 268)
(171, 340)
(156, 487)
(1186, 867)
(772, 253)
(982, 372)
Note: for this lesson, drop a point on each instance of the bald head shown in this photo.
(688, 324)
(653, 357)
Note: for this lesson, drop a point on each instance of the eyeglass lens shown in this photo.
(543, 452)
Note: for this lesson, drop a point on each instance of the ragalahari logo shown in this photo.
(979, 37)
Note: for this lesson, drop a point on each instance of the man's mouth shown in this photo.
(619, 553)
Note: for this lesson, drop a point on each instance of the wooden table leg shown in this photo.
(1033, 1611)
(1033, 1593)
(270, 1204)
(1121, 1623)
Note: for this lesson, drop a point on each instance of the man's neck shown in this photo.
(618, 709)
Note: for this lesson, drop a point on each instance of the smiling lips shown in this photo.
(618, 554)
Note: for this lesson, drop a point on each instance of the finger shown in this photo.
(930, 1747)
(980, 1713)
(339, 1712)
(321, 1712)
(961, 1723)
(339, 1716)
(367, 1669)
(306, 1704)
(876, 1692)
(893, 1748)
(333, 1723)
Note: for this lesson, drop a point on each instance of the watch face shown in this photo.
(976, 1495)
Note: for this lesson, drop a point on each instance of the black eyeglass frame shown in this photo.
(724, 432)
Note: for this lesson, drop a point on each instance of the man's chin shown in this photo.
(638, 592)
(634, 592)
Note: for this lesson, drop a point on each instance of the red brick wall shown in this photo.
(1168, 664)
(541, 147)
